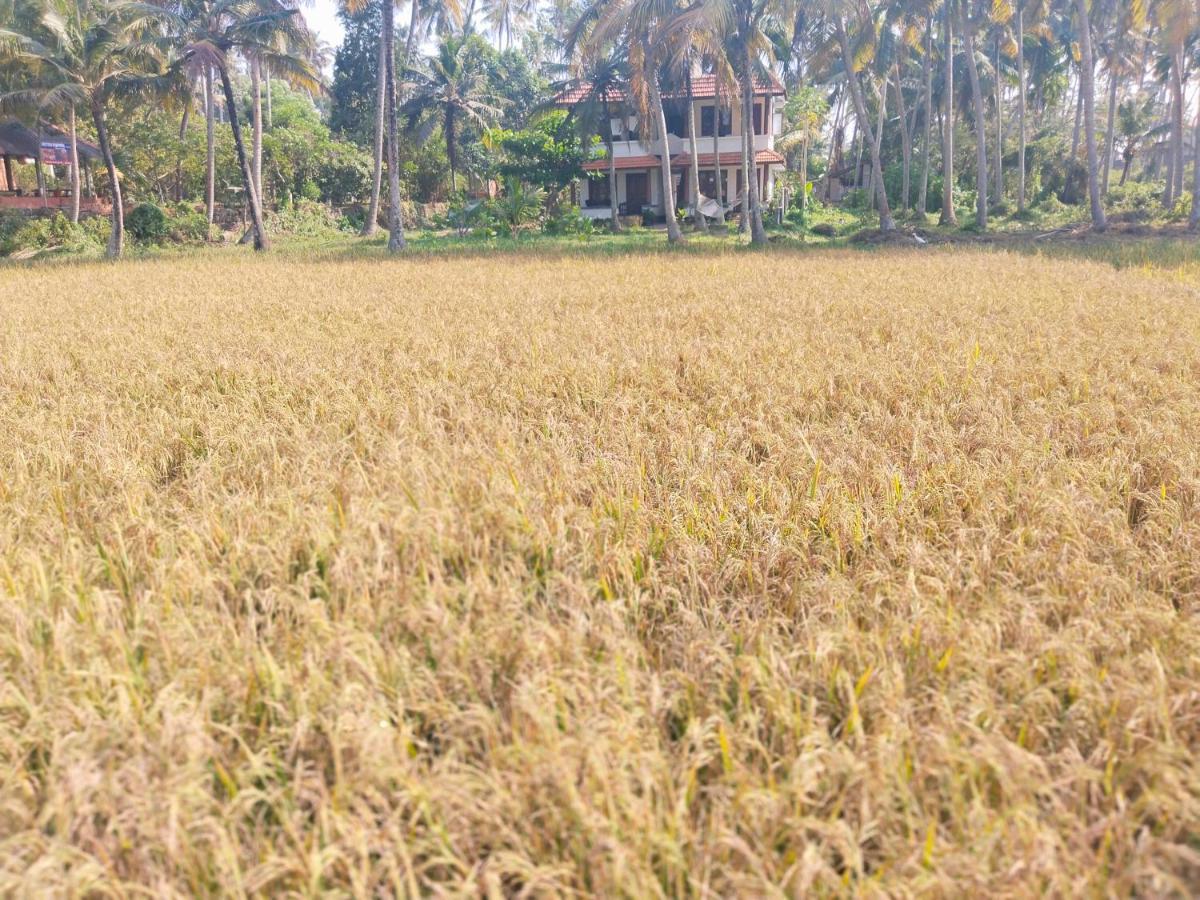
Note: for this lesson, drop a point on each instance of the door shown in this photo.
(637, 192)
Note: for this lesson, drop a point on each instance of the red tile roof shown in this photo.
(762, 157)
(623, 162)
(703, 87)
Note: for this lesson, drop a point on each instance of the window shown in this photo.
(706, 122)
(599, 192)
(676, 115)
(758, 119)
(708, 183)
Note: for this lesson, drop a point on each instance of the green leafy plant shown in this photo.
(148, 224)
(518, 207)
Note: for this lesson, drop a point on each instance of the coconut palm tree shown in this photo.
(601, 77)
(210, 31)
(451, 90)
(1175, 20)
(927, 120)
(857, 40)
(804, 117)
(747, 26)
(371, 223)
(433, 12)
(1134, 118)
(44, 89)
(1087, 74)
(506, 17)
(949, 216)
(1125, 23)
(387, 37)
(92, 50)
(972, 18)
(1019, 13)
(646, 28)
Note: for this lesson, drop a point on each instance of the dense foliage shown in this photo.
(973, 108)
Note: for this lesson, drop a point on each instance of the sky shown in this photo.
(321, 16)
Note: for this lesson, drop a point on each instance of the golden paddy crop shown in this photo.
(655, 575)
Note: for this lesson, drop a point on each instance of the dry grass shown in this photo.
(658, 575)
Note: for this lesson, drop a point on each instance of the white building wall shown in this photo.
(677, 144)
(731, 143)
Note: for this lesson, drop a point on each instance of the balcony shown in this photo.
(731, 143)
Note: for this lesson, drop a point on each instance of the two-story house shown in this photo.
(638, 156)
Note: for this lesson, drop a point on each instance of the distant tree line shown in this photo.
(916, 103)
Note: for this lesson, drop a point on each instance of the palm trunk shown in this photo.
(758, 234)
(998, 190)
(837, 161)
(880, 186)
(1110, 134)
(905, 145)
(74, 164)
(1177, 128)
(698, 220)
(256, 220)
(1086, 86)
(744, 199)
(927, 70)
(256, 123)
(1021, 107)
(1075, 131)
(718, 172)
(184, 121)
(949, 216)
(886, 223)
(1194, 216)
(210, 158)
(857, 153)
(613, 202)
(674, 235)
(451, 148)
(38, 172)
(804, 176)
(116, 236)
(371, 225)
(981, 175)
(396, 240)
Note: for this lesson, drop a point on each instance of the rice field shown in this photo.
(649, 575)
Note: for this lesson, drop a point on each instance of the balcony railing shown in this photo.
(731, 143)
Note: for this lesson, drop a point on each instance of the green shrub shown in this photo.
(304, 218)
(188, 226)
(856, 199)
(10, 224)
(469, 216)
(147, 224)
(568, 220)
(22, 235)
(1135, 200)
(519, 206)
